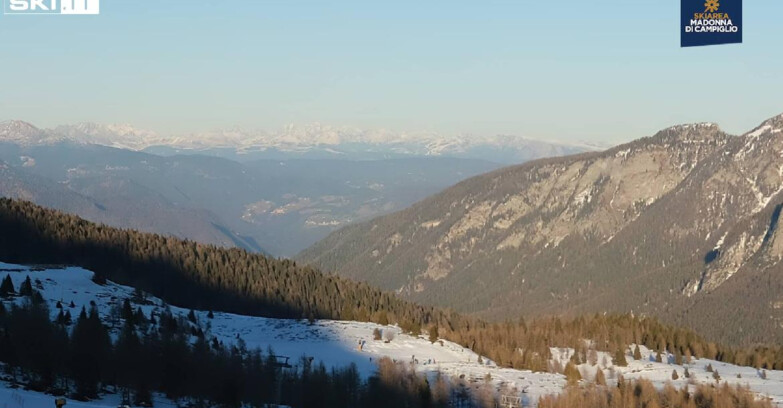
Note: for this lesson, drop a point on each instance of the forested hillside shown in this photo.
(189, 273)
(78, 355)
(211, 278)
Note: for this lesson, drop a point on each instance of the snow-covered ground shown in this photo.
(336, 344)
(660, 374)
(19, 398)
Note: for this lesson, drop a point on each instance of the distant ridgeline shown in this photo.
(206, 277)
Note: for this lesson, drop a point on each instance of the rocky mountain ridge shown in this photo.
(682, 225)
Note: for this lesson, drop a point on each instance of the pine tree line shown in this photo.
(171, 355)
(642, 393)
(205, 277)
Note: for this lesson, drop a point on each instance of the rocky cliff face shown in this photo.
(665, 225)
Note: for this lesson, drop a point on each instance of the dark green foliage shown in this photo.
(36, 297)
(138, 317)
(210, 278)
(127, 310)
(90, 348)
(31, 340)
(166, 361)
(26, 288)
(7, 287)
(190, 274)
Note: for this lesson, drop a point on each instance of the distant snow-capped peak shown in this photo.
(18, 129)
(290, 138)
(115, 135)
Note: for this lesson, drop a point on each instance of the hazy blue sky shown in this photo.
(568, 70)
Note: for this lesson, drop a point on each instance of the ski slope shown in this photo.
(336, 344)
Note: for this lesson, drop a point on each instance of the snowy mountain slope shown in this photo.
(660, 374)
(335, 343)
(20, 398)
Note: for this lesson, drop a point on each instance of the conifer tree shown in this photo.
(7, 287)
(26, 288)
(90, 348)
(619, 358)
(600, 379)
(572, 373)
(637, 353)
(433, 333)
(139, 317)
(127, 311)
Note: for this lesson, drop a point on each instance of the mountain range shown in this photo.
(682, 225)
(214, 190)
(292, 142)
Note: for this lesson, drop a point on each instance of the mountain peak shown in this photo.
(311, 140)
(18, 131)
(690, 133)
(769, 126)
(18, 126)
(692, 126)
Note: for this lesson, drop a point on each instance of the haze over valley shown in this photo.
(277, 193)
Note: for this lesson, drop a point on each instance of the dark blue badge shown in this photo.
(710, 22)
